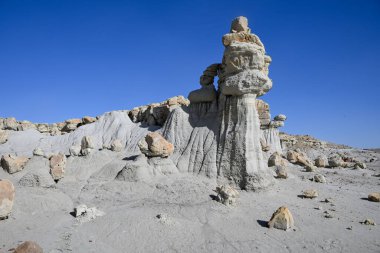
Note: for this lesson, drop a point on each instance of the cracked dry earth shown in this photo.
(177, 213)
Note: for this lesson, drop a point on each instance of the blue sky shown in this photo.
(66, 59)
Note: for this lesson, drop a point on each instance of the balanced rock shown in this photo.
(310, 194)
(13, 164)
(226, 194)
(374, 197)
(57, 166)
(7, 194)
(155, 145)
(281, 219)
(28, 247)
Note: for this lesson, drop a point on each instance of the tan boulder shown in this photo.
(276, 160)
(281, 172)
(155, 145)
(88, 119)
(10, 124)
(28, 247)
(7, 195)
(3, 137)
(321, 162)
(57, 166)
(319, 178)
(374, 197)
(13, 164)
(226, 194)
(310, 194)
(336, 161)
(281, 219)
(299, 158)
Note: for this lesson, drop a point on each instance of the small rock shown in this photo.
(276, 160)
(154, 145)
(328, 215)
(85, 214)
(374, 197)
(7, 195)
(281, 219)
(38, 152)
(360, 165)
(310, 168)
(310, 194)
(321, 162)
(13, 164)
(281, 172)
(336, 161)
(319, 178)
(80, 210)
(369, 222)
(28, 247)
(328, 200)
(117, 145)
(227, 194)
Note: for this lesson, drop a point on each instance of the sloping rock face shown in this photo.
(220, 135)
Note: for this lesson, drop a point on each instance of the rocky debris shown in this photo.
(374, 197)
(281, 172)
(360, 165)
(369, 222)
(281, 219)
(226, 195)
(116, 145)
(309, 194)
(321, 161)
(38, 152)
(75, 150)
(154, 145)
(85, 214)
(88, 120)
(319, 178)
(87, 145)
(57, 166)
(28, 247)
(13, 164)
(3, 137)
(276, 160)
(157, 113)
(7, 195)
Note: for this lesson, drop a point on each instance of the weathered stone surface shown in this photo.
(239, 24)
(226, 194)
(88, 119)
(276, 160)
(321, 162)
(116, 145)
(281, 219)
(374, 197)
(75, 150)
(57, 166)
(155, 145)
(28, 247)
(204, 94)
(7, 194)
(310, 193)
(3, 137)
(360, 165)
(38, 152)
(10, 124)
(13, 164)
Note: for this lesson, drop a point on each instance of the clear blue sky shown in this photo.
(65, 59)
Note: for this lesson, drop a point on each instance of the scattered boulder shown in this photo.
(3, 137)
(57, 166)
(299, 158)
(369, 222)
(310, 168)
(87, 145)
(336, 161)
(226, 194)
(276, 160)
(374, 197)
(13, 164)
(28, 247)
(321, 162)
(360, 165)
(75, 150)
(310, 194)
(319, 178)
(7, 195)
(117, 145)
(38, 152)
(281, 219)
(281, 172)
(154, 145)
